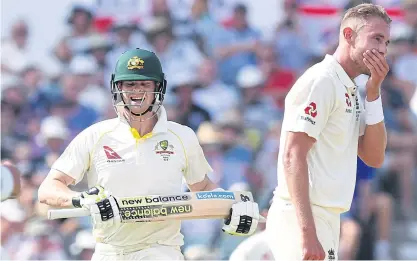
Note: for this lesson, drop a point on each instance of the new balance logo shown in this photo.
(111, 155)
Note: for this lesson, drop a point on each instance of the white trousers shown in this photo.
(154, 252)
(283, 232)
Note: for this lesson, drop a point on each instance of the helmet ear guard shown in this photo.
(162, 88)
(112, 86)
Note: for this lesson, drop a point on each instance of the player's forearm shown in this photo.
(372, 145)
(56, 194)
(296, 174)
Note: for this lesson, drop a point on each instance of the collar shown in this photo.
(341, 74)
(161, 125)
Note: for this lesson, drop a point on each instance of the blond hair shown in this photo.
(365, 11)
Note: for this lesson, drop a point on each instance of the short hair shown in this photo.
(241, 8)
(366, 11)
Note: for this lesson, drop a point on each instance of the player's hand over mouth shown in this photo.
(103, 207)
(379, 68)
(243, 219)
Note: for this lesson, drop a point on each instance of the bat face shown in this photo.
(191, 205)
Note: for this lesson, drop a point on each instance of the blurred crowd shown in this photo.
(227, 80)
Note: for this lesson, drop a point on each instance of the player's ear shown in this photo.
(348, 35)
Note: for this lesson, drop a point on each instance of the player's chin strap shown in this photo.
(150, 108)
(137, 117)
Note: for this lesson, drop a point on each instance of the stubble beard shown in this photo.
(360, 65)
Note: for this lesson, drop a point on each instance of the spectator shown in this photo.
(62, 54)
(126, 35)
(81, 26)
(41, 243)
(92, 95)
(14, 51)
(12, 221)
(49, 143)
(83, 246)
(76, 115)
(189, 113)
(259, 110)
(278, 80)
(410, 17)
(291, 41)
(402, 142)
(206, 28)
(237, 46)
(99, 47)
(265, 167)
(172, 52)
(212, 89)
(197, 247)
(232, 167)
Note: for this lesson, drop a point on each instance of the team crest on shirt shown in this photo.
(164, 149)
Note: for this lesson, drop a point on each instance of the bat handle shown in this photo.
(67, 213)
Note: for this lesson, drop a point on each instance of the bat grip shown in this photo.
(67, 213)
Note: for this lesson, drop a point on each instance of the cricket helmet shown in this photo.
(138, 65)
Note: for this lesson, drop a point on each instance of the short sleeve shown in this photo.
(197, 165)
(75, 160)
(308, 108)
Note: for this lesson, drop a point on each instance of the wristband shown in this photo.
(373, 112)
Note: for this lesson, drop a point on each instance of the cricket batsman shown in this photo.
(137, 153)
(325, 127)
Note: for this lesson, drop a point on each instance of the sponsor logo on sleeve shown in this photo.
(311, 109)
(215, 195)
(311, 112)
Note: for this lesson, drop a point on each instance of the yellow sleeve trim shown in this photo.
(90, 160)
(183, 147)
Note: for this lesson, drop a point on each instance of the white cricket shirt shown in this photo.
(324, 103)
(128, 165)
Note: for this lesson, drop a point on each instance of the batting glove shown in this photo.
(103, 207)
(243, 219)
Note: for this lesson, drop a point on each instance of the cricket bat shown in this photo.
(151, 208)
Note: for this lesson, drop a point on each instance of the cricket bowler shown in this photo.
(326, 126)
(138, 153)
